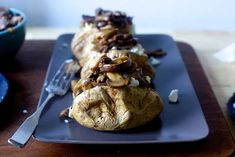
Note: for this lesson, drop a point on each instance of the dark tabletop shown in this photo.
(26, 75)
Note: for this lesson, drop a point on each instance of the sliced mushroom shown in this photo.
(125, 64)
(140, 60)
(116, 80)
(107, 33)
(105, 60)
(94, 61)
(109, 68)
(64, 114)
(117, 65)
(156, 53)
(100, 79)
(82, 85)
(119, 60)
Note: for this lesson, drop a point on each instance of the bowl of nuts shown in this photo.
(12, 32)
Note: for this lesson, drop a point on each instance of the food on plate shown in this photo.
(102, 23)
(109, 108)
(114, 91)
(117, 49)
(8, 19)
(174, 96)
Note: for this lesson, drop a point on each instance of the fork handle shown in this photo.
(24, 132)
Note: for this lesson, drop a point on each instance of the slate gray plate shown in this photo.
(182, 122)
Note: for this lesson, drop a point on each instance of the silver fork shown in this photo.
(59, 85)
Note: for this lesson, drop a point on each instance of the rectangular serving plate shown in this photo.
(181, 122)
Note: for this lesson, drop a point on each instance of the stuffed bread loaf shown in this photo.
(114, 92)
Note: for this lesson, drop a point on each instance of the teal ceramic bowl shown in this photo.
(12, 39)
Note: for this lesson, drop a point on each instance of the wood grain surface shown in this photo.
(26, 75)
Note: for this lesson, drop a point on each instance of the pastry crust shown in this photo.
(109, 109)
(82, 43)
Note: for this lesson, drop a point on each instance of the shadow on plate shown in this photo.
(153, 125)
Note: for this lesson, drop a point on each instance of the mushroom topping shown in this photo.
(82, 85)
(113, 38)
(119, 60)
(105, 60)
(116, 65)
(103, 18)
(109, 68)
(138, 75)
(64, 114)
(116, 80)
(101, 79)
(156, 53)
